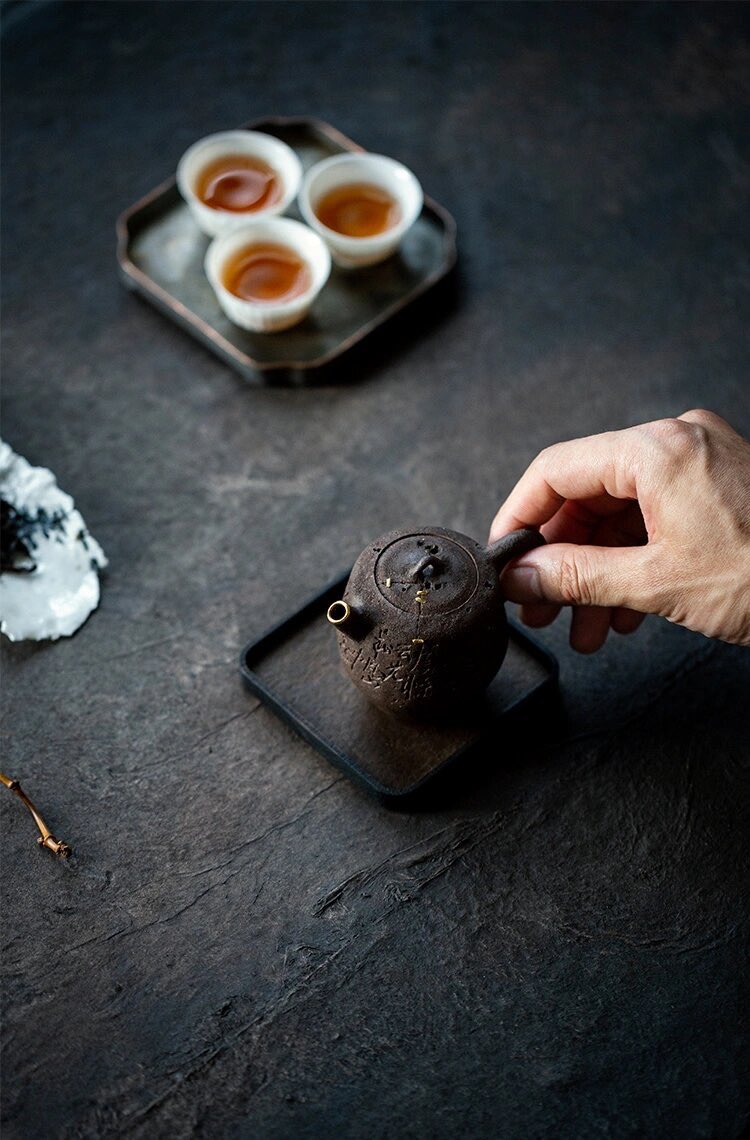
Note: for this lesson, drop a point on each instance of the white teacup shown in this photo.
(268, 316)
(371, 169)
(247, 144)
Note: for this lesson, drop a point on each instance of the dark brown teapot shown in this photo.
(421, 627)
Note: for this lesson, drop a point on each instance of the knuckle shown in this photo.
(546, 456)
(671, 432)
(703, 417)
(678, 441)
(573, 581)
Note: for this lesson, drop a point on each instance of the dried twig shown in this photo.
(46, 838)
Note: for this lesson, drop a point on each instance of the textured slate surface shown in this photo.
(246, 945)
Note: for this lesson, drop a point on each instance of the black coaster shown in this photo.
(295, 669)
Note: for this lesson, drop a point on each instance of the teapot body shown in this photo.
(421, 627)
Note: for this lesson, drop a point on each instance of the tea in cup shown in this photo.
(267, 274)
(233, 177)
(362, 205)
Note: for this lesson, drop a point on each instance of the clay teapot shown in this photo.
(421, 627)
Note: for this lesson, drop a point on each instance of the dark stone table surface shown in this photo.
(245, 945)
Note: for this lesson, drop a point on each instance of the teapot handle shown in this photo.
(512, 546)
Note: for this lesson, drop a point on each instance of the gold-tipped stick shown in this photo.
(46, 838)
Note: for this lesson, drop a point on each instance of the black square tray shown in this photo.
(160, 251)
(294, 668)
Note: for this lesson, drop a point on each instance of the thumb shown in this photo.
(570, 575)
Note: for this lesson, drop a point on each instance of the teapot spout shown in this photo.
(512, 546)
(348, 619)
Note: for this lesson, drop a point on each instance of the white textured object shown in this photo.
(57, 596)
(252, 144)
(268, 316)
(378, 170)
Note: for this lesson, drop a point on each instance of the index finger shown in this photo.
(576, 469)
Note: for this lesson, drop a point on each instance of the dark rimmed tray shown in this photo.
(160, 251)
(294, 669)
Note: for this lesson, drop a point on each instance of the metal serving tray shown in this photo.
(160, 251)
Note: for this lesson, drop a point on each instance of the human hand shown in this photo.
(652, 519)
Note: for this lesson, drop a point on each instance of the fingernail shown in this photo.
(523, 584)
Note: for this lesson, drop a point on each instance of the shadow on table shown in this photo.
(374, 354)
(524, 740)
(694, 717)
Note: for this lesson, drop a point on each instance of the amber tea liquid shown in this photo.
(358, 210)
(239, 183)
(264, 273)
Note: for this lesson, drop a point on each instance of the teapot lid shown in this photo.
(426, 569)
